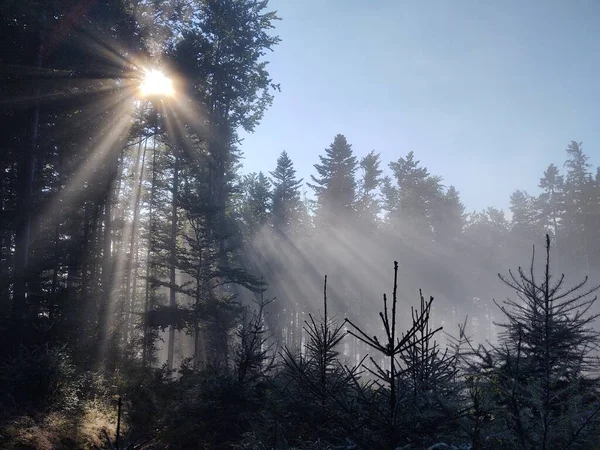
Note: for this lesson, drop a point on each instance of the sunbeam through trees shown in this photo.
(167, 284)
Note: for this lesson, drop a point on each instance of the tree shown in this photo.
(286, 195)
(256, 203)
(412, 366)
(410, 202)
(48, 51)
(543, 363)
(525, 224)
(222, 56)
(335, 186)
(577, 202)
(551, 201)
(173, 260)
(593, 221)
(449, 218)
(316, 381)
(368, 205)
(487, 245)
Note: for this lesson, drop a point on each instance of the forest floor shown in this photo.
(81, 428)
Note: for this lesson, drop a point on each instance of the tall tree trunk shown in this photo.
(137, 241)
(132, 257)
(54, 286)
(197, 305)
(25, 180)
(173, 252)
(5, 245)
(148, 299)
(106, 275)
(56, 251)
(107, 262)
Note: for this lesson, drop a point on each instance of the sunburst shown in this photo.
(156, 84)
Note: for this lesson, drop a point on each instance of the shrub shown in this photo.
(39, 377)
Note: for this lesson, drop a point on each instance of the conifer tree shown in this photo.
(222, 53)
(551, 201)
(403, 346)
(449, 217)
(525, 224)
(256, 206)
(286, 195)
(368, 204)
(335, 185)
(577, 204)
(411, 198)
(543, 367)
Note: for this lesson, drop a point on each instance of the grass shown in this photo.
(81, 429)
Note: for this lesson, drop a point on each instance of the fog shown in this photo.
(446, 253)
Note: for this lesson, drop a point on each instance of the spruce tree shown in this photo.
(411, 198)
(256, 206)
(525, 223)
(551, 201)
(577, 205)
(286, 195)
(449, 217)
(543, 369)
(368, 204)
(335, 185)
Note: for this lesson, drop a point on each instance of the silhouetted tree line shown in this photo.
(137, 260)
(358, 216)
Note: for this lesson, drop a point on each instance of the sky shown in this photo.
(486, 93)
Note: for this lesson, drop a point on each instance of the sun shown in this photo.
(156, 84)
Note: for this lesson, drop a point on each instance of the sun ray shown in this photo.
(110, 137)
(176, 128)
(193, 115)
(109, 50)
(121, 260)
(77, 91)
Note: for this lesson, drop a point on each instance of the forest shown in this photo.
(154, 295)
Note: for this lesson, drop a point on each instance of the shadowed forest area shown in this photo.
(154, 295)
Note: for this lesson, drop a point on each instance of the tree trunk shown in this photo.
(173, 251)
(132, 258)
(147, 301)
(25, 180)
(197, 306)
(107, 263)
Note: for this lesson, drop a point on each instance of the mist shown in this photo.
(298, 225)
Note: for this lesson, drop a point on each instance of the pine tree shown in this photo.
(316, 381)
(545, 359)
(487, 244)
(223, 54)
(368, 205)
(594, 221)
(412, 366)
(256, 207)
(577, 202)
(335, 186)
(410, 202)
(286, 195)
(449, 217)
(551, 201)
(525, 225)
(42, 161)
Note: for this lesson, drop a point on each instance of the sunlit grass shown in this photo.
(84, 429)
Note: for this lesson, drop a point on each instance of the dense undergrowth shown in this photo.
(534, 389)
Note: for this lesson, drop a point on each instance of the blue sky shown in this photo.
(486, 93)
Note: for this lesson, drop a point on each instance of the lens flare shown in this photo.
(156, 84)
